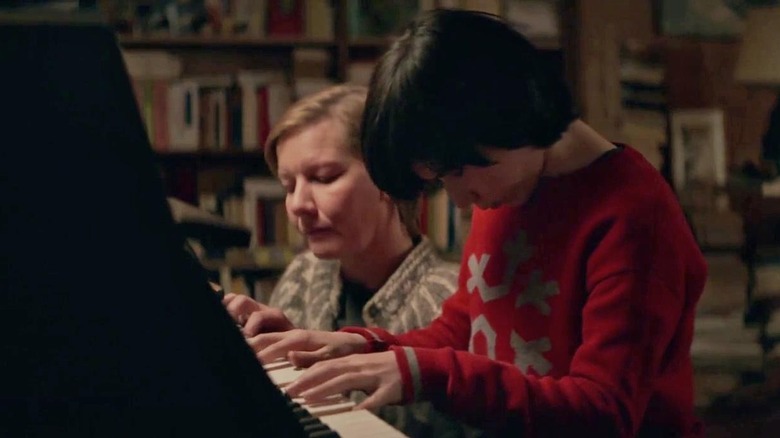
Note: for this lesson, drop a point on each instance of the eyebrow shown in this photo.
(308, 167)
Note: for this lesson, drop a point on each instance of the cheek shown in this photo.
(360, 207)
(348, 204)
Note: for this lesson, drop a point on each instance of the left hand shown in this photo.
(377, 374)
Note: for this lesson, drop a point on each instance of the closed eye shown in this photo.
(326, 178)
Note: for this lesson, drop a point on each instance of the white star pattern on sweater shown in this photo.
(537, 292)
(477, 280)
(516, 251)
(529, 354)
(481, 325)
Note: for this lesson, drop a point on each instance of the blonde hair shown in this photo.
(344, 103)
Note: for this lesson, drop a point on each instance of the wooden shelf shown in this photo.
(269, 258)
(269, 43)
(379, 43)
(253, 159)
(221, 42)
(228, 154)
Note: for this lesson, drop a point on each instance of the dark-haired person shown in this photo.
(580, 276)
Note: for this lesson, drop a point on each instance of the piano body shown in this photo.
(107, 327)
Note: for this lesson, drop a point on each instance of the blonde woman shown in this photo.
(367, 263)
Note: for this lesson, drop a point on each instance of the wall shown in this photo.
(699, 73)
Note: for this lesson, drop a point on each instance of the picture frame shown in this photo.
(700, 18)
(698, 142)
(709, 19)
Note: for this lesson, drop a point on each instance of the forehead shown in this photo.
(324, 140)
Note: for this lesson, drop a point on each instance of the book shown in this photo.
(285, 18)
(264, 97)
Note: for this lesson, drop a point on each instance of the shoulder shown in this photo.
(632, 188)
(422, 276)
(436, 277)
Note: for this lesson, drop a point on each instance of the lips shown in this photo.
(315, 232)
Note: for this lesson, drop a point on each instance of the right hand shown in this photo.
(305, 347)
(254, 317)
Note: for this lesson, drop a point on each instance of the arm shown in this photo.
(642, 278)
(606, 390)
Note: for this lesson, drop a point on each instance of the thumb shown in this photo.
(379, 398)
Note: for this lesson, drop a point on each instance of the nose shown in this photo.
(460, 195)
(300, 202)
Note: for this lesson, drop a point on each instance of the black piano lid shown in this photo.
(107, 327)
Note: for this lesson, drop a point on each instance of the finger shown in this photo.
(228, 298)
(242, 306)
(265, 321)
(305, 359)
(340, 384)
(315, 376)
(380, 397)
(255, 324)
(261, 341)
(285, 342)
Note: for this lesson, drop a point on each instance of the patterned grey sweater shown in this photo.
(309, 290)
(308, 293)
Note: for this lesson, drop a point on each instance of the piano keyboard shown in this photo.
(332, 417)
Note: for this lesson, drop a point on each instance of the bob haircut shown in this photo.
(456, 81)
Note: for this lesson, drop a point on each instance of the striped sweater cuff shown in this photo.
(410, 373)
(376, 339)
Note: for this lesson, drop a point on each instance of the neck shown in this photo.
(373, 266)
(579, 146)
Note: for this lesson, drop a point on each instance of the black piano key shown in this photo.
(314, 427)
(309, 420)
(330, 433)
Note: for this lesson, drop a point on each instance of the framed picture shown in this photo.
(705, 18)
(698, 149)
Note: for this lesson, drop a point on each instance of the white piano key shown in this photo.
(328, 407)
(336, 411)
(284, 376)
(277, 364)
(360, 423)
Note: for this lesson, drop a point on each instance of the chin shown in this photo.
(325, 250)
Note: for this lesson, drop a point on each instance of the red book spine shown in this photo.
(285, 17)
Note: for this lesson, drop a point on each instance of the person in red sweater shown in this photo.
(580, 276)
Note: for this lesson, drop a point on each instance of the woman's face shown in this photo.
(509, 180)
(330, 197)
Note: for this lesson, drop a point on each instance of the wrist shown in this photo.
(371, 343)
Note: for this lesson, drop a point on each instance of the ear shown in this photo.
(384, 196)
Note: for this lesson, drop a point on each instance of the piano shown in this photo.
(336, 413)
(107, 326)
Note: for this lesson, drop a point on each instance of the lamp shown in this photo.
(759, 65)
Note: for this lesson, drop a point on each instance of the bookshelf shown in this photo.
(342, 52)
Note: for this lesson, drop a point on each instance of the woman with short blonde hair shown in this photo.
(366, 262)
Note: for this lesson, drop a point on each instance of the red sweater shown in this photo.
(574, 313)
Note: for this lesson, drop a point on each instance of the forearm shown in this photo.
(498, 397)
